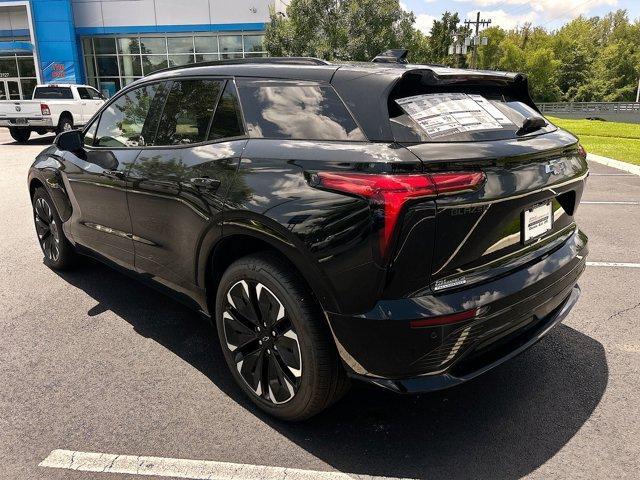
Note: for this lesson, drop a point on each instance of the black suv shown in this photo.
(410, 226)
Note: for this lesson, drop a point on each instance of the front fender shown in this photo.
(47, 170)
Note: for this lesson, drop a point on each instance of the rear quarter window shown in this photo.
(296, 110)
(53, 93)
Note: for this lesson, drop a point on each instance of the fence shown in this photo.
(615, 111)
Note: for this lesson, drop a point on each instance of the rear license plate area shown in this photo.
(536, 221)
(20, 121)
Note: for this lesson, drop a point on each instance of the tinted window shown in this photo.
(187, 112)
(298, 110)
(125, 123)
(90, 134)
(50, 93)
(227, 121)
(84, 93)
(95, 95)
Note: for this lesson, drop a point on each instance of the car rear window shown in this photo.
(296, 110)
(52, 93)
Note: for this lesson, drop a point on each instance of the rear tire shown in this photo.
(275, 340)
(58, 252)
(20, 135)
(64, 124)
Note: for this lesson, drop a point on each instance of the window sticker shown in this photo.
(442, 114)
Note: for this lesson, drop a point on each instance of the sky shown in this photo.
(550, 14)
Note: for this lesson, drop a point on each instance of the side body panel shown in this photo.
(176, 201)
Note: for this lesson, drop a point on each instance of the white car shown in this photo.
(53, 108)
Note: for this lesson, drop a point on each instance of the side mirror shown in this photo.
(70, 141)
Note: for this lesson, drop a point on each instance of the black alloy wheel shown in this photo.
(59, 254)
(276, 340)
(263, 341)
(47, 229)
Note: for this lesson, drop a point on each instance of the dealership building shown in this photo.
(111, 43)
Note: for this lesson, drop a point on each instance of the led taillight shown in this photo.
(44, 109)
(391, 192)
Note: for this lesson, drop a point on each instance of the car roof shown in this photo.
(363, 86)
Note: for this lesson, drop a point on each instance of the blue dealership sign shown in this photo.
(59, 72)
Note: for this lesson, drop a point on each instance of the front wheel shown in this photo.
(59, 254)
(20, 135)
(275, 341)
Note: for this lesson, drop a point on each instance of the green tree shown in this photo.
(339, 30)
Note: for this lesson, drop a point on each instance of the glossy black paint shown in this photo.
(177, 216)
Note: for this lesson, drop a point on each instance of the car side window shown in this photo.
(84, 93)
(125, 123)
(90, 134)
(296, 110)
(95, 95)
(187, 112)
(227, 121)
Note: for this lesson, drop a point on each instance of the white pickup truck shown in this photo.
(53, 108)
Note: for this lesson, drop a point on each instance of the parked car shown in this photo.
(409, 226)
(53, 108)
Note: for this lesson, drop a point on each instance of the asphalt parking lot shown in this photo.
(92, 361)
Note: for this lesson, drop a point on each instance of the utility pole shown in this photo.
(638, 94)
(476, 38)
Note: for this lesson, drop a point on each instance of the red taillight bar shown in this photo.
(393, 191)
(444, 319)
(44, 109)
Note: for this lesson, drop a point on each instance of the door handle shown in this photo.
(117, 174)
(205, 183)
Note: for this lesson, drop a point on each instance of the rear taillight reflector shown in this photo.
(44, 109)
(393, 191)
(444, 319)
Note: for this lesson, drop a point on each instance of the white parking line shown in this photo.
(182, 468)
(612, 174)
(609, 203)
(613, 264)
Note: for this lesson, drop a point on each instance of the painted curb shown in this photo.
(610, 162)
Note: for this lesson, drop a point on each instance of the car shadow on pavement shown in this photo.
(37, 140)
(502, 425)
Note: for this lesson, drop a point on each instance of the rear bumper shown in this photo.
(513, 312)
(30, 122)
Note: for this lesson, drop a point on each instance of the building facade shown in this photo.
(110, 43)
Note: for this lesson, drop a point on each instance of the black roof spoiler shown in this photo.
(394, 55)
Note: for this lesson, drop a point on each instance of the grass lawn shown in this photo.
(620, 141)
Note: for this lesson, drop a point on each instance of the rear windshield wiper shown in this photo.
(531, 124)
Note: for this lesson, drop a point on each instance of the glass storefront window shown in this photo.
(90, 66)
(206, 44)
(207, 57)
(26, 67)
(28, 86)
(126, 58)
(130, 66)
(153, 45)
(230, 43)
(253, 43)
(104, 46)
(107, 66)
(180, 44)
(151, 63)
(175, 60)
(128, 45)
(8, 67)
(228, 56)
(87, 46)
(109, 86)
